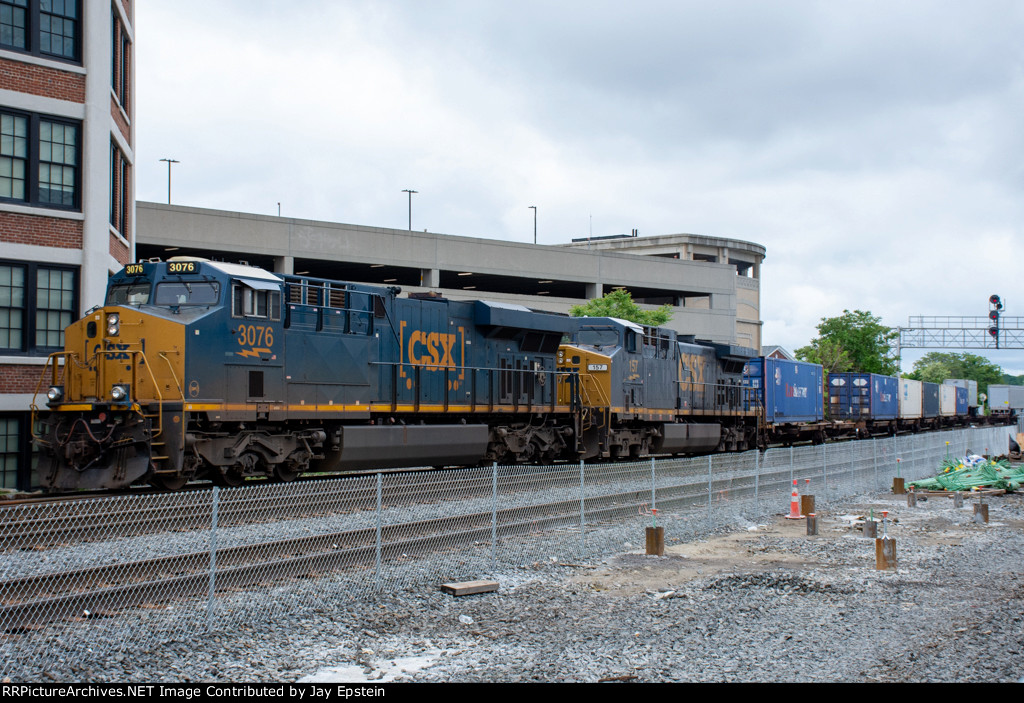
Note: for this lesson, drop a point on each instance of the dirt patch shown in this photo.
(775, 546)
(751, 551)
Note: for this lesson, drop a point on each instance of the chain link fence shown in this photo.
(112, 578)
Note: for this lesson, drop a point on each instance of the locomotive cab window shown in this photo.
(129, 294)
(252, 299)
(187, 293)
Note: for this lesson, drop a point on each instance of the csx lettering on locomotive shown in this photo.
(432, 349)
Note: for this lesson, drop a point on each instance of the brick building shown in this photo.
(67, 206)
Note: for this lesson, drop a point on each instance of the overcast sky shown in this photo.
(875, 148)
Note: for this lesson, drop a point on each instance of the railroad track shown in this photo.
(105, 518)
(105, 590)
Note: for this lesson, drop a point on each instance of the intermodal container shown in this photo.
(947, 400)
(910, 399)
(862, 396)
(970, 385)
(790, 391)
(1004, 399)
(929, 399)
(963, 396)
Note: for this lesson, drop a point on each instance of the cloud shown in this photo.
(872, 147)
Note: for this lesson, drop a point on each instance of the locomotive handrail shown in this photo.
(134, 402)
(100, 376)
(492, 400)
(39, 384)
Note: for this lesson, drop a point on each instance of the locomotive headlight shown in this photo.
(119, 393)
(113, 324)
(55, 394)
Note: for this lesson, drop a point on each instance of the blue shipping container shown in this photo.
(863, 396)
(789, 391)
(961, 401)
(929, 399)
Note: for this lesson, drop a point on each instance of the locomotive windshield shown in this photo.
(607, 337)
(129, 294)
(187, 293)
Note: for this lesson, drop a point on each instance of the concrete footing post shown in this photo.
(871, 528)
(885, 553)
(981, 513)
(812, 524)
(911, 498)
(958, 500)
(656, 541)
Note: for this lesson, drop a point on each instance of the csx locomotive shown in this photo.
(195, 369)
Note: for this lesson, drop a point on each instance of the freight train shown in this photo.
(800, 404)
(194, 369)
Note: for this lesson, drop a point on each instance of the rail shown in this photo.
(223, 563)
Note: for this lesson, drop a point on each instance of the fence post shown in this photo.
(583, 530)
(757, 479)
(213, 555)
(913, 457)
(380, 501)
(654, 497)
(709, 491)
(791, 463)
(874, 455)
(824, 469)
(494, 517)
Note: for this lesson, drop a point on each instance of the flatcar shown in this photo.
(195, 369)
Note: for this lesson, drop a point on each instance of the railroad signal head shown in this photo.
(993, 315)
(994, 331)
(995, 302)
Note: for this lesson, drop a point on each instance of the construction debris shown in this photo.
(974, 473)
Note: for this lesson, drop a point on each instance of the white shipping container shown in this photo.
(970, 385)
(1003, 398)
(947, 400)
(910, 399)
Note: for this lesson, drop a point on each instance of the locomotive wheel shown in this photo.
(168, 482)
(229, 477)
(286, 473)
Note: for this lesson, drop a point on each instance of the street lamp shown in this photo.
(534, 208)
(410, 192)
(169, 162)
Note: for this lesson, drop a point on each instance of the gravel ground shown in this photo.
(763, 602)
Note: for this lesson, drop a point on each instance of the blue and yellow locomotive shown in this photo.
(195, 369)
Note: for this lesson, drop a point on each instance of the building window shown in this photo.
(13, 19)
(11, 451)
(119, 197)
(55, 305)
(58, 163)
(49, 28)
(12, 306)
(120, 53)
(36, 303)
(13, 156)
(39, 160)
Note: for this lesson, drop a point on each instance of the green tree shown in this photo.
(831, 355)
(858, 336)
(619, 303)
(936, 367)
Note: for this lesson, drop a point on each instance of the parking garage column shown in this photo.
(430, 278)
(594, 290)
(284, 264)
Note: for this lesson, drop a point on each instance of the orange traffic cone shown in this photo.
(794, 505)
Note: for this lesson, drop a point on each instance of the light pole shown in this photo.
(534, 208)
(410, 192)
(169, 162)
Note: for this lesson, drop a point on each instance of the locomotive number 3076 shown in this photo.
(255, 336)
